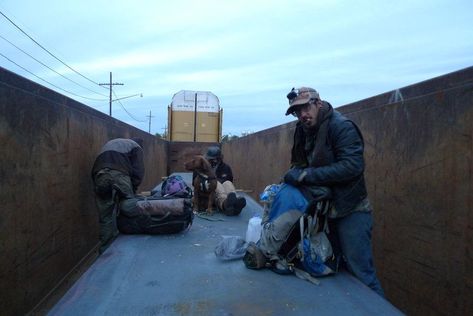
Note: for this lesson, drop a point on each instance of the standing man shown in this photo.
(225, 194)
(328, 151)
(117, 172)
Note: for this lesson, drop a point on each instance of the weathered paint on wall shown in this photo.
(418, 168)
(48, 220)
(181, 152)
(419, 157)
(418, 153)
(261, 158)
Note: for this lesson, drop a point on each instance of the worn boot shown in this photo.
(233, 204)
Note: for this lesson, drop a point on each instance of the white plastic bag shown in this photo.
(253, 232)
(231, 247)
(321, 246)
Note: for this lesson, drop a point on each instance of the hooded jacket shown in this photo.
(124, 155)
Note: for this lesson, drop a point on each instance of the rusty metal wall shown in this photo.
(419, 154)
(419, 176)
(48, 220)
(261, 158)
(180, 152)
(419, 145)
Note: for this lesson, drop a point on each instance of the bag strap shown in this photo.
(301, 274)
(301, 228)
(289, 247)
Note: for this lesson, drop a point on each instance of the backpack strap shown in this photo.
(301, 274)
(289, 249)
(307, 221)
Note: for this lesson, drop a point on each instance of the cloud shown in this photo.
(248, 53)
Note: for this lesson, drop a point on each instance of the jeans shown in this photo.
(351, 238)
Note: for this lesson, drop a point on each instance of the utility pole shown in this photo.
(110, 87)
(165, 135)
(149, 129)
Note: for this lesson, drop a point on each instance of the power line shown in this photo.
(52, 84)
(26, 53)
(75, 71)
(27, 91)
(129, 114)
(42, 47)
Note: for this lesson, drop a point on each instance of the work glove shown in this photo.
(295, 176)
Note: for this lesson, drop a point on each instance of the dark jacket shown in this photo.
(224, 173)
(123, 155)
(342, 165)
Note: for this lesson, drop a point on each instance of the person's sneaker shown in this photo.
(233, 204)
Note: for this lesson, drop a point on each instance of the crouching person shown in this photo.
(117, 172)
(328, 150)
(225, 195)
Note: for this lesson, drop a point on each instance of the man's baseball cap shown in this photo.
(300, 96)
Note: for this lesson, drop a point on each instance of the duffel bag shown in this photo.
(141, 215)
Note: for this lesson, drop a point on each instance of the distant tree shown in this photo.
(229, 137)
(158, 135)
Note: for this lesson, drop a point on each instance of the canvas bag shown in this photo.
(174, 186)
(141, 215)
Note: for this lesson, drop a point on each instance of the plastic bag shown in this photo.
(321, 246)
(267, 197)
(269, 192)
(312, 262)
(231, 247)
(253, 232)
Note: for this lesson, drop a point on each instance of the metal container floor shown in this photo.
(181, 275)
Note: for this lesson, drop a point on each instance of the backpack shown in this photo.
(174, 186)
(293, 240)
(152, 215)
(306, 246)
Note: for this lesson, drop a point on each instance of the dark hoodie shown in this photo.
(124, 155)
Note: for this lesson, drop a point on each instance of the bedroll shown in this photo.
(142, 215)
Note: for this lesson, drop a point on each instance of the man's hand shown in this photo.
(294, 176)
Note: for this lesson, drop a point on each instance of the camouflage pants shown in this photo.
(110, 185)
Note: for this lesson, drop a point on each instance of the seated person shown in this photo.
(225, 196)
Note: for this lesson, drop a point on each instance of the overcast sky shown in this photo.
(248, 53)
